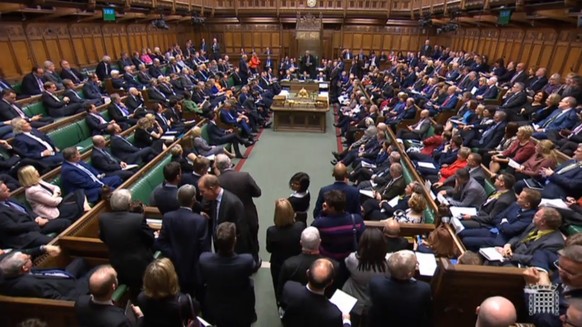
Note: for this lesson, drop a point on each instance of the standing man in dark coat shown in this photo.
(225, 206)
(245, 188)
(165, 196)
(230, 294)
(307, 306)
(183, 237)
(340, 172)
(129, 239)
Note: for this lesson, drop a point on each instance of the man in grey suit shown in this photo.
(245, 188)
(542, 234)
(467, 192)
(416, 131)
(226, 206)
(475, 171)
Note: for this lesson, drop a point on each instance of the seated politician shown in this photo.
(33, 144)
(77, 174)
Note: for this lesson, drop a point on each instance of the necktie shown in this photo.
(124, 140)
(110, 157)
(89, 173)
(567, 168)
(163, 119)
(509, 99)
(576, 131)
(515, 77)
(60, 273)
(447, 100)
(18, 111)
(101, 120)
(40, 84)
(15, 206)
(122, 109)
(5, 86)
(77, 80)
(552, 119)
(54, 97)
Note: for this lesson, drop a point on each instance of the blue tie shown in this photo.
(15, 206)
(125, 112)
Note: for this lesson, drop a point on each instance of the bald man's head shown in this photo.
(103, 283)
(496, 311)
(340, 172)
(391, 228)
(320, 274)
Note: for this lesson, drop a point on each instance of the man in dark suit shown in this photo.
(491, 91)
(97, 309)
(92, 91)
(97, 124)
(21, 279)
(565, 180)
(307, 305)
(541, 235)
(418, 130)
(427, 49)
(134, 100)
(74, 97)
(105, 163)
(183, 237)
(225, 206)
(71, 73)
(155, 94)
(165, 196)
(400, 298)
(51, 75)
(77, 174)
(33, 144)
(103, 69)
(308, 64)
(9, 110)
(295, 268)
(497, 202)
(218, 136)
(514, 101)
(230, 295)
(124, 150)
(120, 113)
(20, 228)
(215, 49)
(394, 188)
(491, 137)
(129, 239)
(33, 83)
(155, 70)
(340, 173)
(57, 107)
(245, 188)
(487, 231)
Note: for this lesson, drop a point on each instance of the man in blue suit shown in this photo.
(33, 144)
(493, 135)
(340, 172)
(565, 180)
(510, 222)
(562, 119)
(183, 237)
(491, 91)
(77, 174)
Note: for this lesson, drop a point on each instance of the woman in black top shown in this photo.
(283, 239)
(300, 198)
(148, 134)
(529, 108)
(161, 301)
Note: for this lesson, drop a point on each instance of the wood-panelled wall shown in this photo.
(25, 45)
(560, 51)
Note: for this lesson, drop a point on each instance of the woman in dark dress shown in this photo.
(283, 239)
(148, 134)
(537, 103)
(161, 301)
(300, 198)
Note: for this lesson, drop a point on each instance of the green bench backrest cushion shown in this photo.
(36, 108)
(66, 136)
(143, 189)
(204, 133)
(489, 188)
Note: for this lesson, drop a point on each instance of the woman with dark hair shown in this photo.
(537, 103)
(161, 301)
(300, 198)
(370, 260)
(499, 67)
(551, 104)
(283, 239)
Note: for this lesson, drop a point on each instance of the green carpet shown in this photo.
(274, 159)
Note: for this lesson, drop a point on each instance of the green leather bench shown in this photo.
(76, 134)
(145, 186)
(36, 108)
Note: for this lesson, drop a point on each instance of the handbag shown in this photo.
(185, 300)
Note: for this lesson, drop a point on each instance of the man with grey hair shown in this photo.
(50, 74)
(495, 311)
(245, 188)
(129, 239)
(103, 69)
(183, 237)
(104, 162)
(119, 112)
(400, 299)
(295, 268)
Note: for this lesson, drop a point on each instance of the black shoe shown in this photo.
(268, 125)
(335, 155)
(333, 162)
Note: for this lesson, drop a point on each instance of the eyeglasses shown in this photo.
(573, 275)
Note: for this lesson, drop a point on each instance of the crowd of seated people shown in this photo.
(337, 251)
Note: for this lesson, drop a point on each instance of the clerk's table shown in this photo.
(301, 112)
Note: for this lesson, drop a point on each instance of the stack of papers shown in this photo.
(491, 254)
(343, 301)
(458, 212)
(513, 164)
(128, 167)
(426, 263)
(442, 200)
(367, 193)
(426, 164)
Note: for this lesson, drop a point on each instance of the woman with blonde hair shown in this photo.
(202, 147)
(415, 211)
(148, 134)
(161, 301)
(544, 157)
(519, 151)
(46, 199)
(283, 239)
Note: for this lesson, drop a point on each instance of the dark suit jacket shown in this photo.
(492, 139)
(402, 303)
(95, 125)
(74, 96)
(90, 314)
(130, 242)
(30, 148)
(91, 91)
(352, 198)
(562, 184)
(102, 162)
(232, 210)
(514, 102)
(50, 103)
(9, 113)
(395, 189)
(245, 188)
(74, 178)
(165, 197)
(133, 102)
(73, 74)
(493, 207)
(294, 268)
(100, 70)
(30, 85)
(230, 294)
(472, 195)
(214, 133)
(490, 93)
(307, 309)
(524, 252)
(122, 149)
(47, 287)
(183, 237)
(19, 230)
